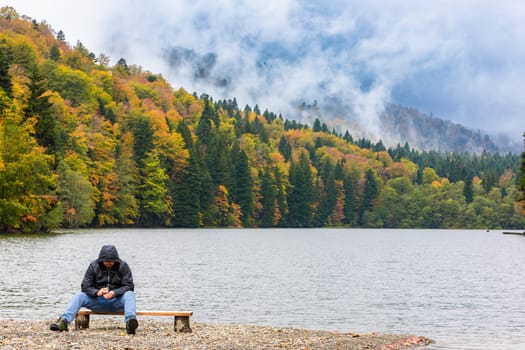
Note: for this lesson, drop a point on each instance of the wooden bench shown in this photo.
(181, 318)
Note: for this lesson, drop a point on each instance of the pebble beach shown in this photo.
(110, 333)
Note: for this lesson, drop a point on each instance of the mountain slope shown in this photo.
(395, 124)
(429, 133)
(89, 144)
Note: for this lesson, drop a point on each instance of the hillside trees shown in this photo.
(85, 144)
(28, 201)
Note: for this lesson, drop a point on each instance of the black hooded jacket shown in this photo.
(117, 279)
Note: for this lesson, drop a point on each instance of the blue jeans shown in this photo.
(126, 303)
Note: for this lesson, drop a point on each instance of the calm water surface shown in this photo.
(464, 289)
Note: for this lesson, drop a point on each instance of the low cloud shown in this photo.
(461, 61)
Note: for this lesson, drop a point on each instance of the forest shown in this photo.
(87, 144)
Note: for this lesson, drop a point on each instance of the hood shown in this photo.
(108, 253)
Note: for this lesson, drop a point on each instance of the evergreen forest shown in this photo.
(87, 144)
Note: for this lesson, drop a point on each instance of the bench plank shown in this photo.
(139, 313)
(181, 322)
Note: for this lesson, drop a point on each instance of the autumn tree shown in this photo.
(27, 186)
(155, 204)
(227, 214)
(126, 206)
(76, 192)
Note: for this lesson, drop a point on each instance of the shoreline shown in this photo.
(109, 333)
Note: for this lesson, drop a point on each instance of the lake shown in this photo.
(464, 289)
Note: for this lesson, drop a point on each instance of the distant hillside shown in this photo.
(400, 124)
(430, 133)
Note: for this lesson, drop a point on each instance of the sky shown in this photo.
(462, 61)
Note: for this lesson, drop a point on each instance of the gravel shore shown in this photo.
(110, 333)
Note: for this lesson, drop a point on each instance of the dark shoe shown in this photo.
(131, 325)
(59, 326)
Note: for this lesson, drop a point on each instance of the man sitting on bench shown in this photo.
(107, 287)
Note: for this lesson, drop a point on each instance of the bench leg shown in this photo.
(81, 322)
(182, 324)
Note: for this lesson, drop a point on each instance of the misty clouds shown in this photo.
(460, 60)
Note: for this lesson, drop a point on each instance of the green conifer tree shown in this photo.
(370, 194)
(300, 196)
(39, 106)
(269, 196)
(351, 201)
(5, 62)
(186, 198)
(328, 195)
(244, 189)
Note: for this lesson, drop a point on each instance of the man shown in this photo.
(107, 287)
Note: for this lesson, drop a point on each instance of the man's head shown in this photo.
(108, 264)
(108, 256)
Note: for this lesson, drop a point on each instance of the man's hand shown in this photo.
(103, 291)
(109, 294)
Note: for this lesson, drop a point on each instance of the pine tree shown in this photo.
(328, 195)
(5, 62)
(126, 208)
(244, 189)
(54, 53)
(204, 128)
(218, 161)
(317, 125)
(40, 107)
(370, 194)
(300, 197)
(351, 201)
(61, 36)
(186, 198)
(281, 211)
(142, 137)
(269, 196)
(285, 148)
(468, 191)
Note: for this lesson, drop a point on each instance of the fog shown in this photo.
(459, 60)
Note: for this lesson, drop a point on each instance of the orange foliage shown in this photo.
(398, 170)
(275, 158)
(506, 178)
(436, 184)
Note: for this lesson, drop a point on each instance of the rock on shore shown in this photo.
(110, 333)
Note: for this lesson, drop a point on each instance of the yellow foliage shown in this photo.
(104, 80)
(429, 175)
(385, 158)
(173, 116)
(276, 158)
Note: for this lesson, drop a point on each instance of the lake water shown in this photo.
(464, 289)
